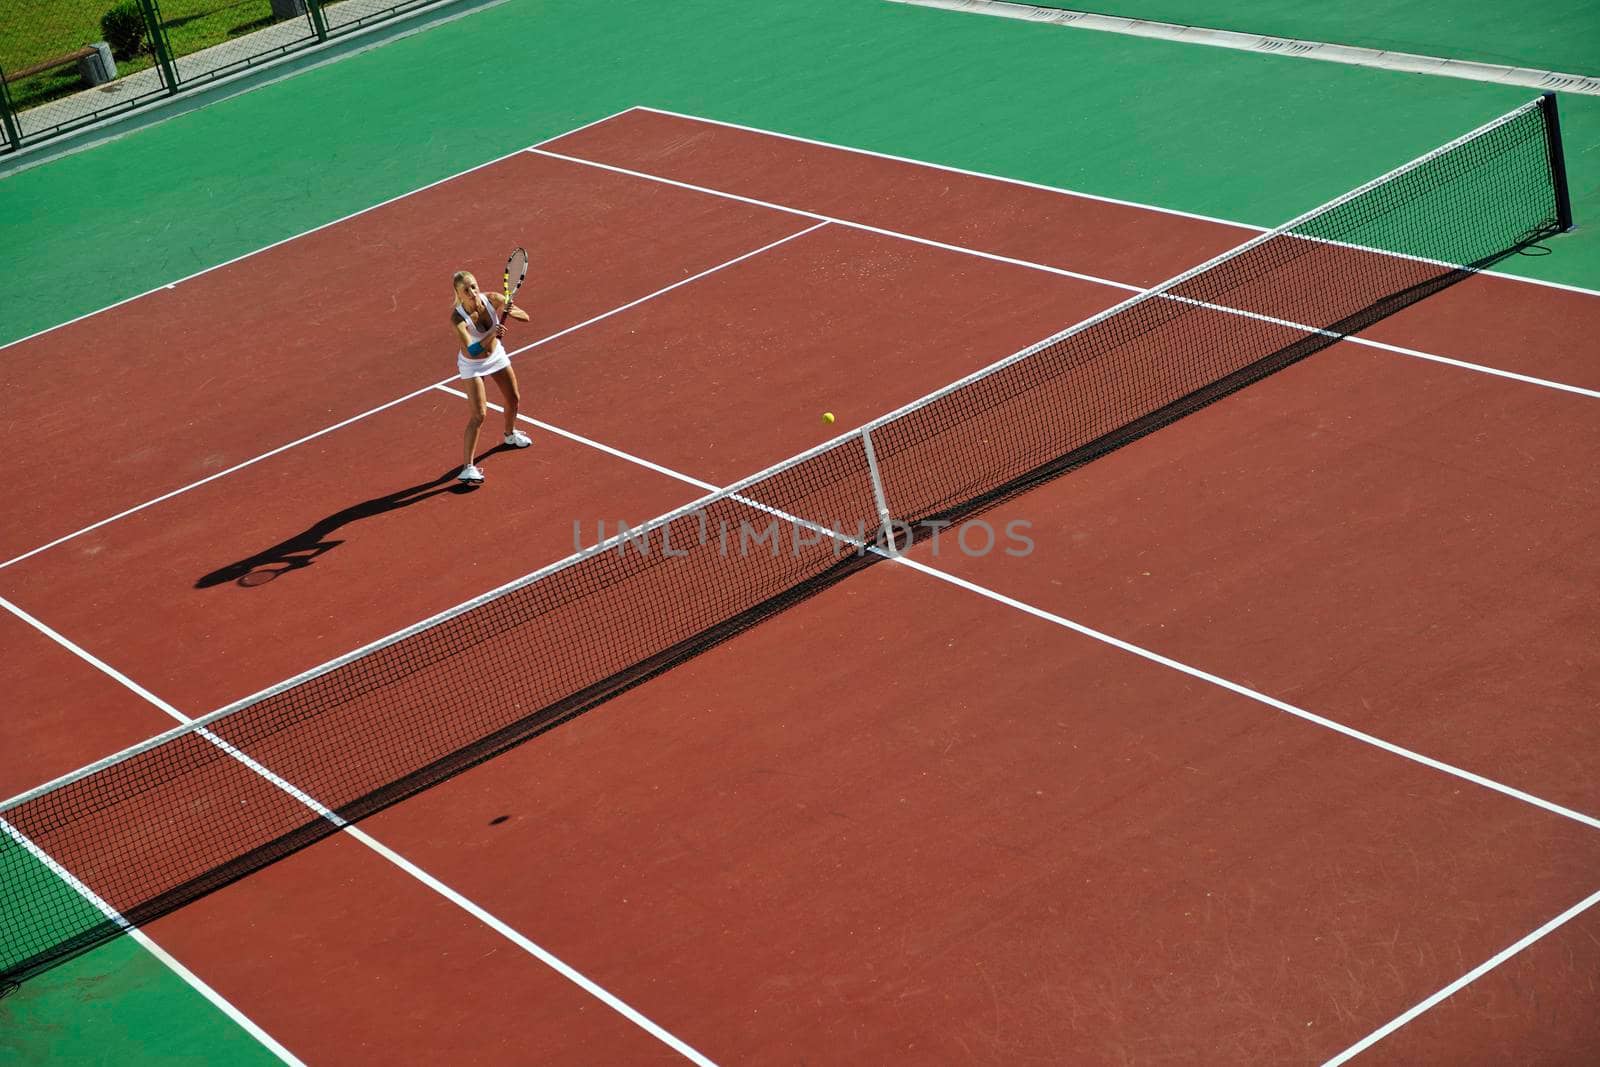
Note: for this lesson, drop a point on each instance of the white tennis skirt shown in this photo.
(495, 361)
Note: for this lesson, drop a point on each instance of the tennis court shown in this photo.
(1279, 728)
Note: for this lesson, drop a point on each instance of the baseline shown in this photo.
(1078, 275)
(1541, 332)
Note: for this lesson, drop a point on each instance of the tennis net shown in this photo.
(160, 824)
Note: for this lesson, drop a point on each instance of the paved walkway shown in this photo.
(278, 39)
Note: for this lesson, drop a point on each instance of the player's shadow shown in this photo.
(303, 548)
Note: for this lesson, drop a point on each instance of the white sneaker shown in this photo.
(471, 474)
(518, 439)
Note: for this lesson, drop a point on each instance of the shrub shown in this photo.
(124, 29)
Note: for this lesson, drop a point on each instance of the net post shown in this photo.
(1558, 161)
(884, 521)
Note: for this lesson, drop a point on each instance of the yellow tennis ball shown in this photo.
(827, 417)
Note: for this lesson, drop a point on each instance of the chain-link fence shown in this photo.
(67, 63)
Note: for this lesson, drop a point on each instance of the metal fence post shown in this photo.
(318, 23)
(9, 121)
(158, 43)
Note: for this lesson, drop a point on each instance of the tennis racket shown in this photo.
(516, 271)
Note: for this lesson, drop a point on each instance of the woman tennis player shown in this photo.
(478, 326)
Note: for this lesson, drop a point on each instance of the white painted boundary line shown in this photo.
(1094, 279)
(579, 439)
(1465, 980)
(198, 984)
(1142, 207)
(213, 477)
(1058, 190)
(948, 169)
(414, 393)
(542, 954)
(1104, 638)
(1354, 55)
(847, 223)
(477, 911)
(314, 229)
(1365, 342)
(1259, 697)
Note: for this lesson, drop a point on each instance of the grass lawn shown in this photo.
(32, 31)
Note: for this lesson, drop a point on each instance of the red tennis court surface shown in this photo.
(930, 814)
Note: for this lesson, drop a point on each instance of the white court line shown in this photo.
(212, 477)
(596, 445)
(1115, 642)
(414, 393)
(1259, 697)
(1266, 44)
(588, 985)
(1060, 190)
(306, 233)
(1080, 276)
(1465, 980)
(847, 223)
(198, 984)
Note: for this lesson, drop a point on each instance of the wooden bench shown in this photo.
(49, 64)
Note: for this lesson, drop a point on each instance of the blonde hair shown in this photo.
(459, 277)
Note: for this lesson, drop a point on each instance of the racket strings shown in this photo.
(516, 271)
